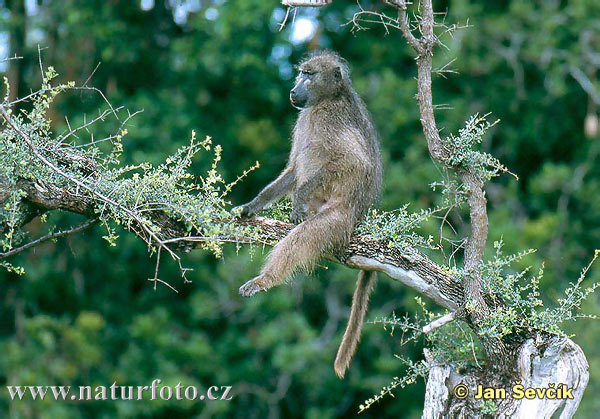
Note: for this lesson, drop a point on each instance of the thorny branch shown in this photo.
(50, 236)
(152, 237)
(475, 305)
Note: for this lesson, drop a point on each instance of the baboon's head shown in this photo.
(322, 76)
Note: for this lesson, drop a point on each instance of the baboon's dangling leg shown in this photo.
(302, 248)
(360, 304)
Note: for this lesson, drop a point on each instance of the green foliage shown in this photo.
(16, 159)
(524, 309)
(129, 195)
(280, 210)
(454, 343)
(397, 227)
(462, 154)
(414, 371)
(488, 407)
(199, 202)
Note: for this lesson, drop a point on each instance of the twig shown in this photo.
(72, 131)
(285, 18)
(305, 3)
(50, 236)
(100, 93)
(439, 322)
(91, 75)
(155, 280)
(445, 69)
(40, 61)
(110, 137)
(405, 25)
(3, 60)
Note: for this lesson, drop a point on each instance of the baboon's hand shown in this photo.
(296, 217)
(299, 213)
(252, 287)
(243, 211)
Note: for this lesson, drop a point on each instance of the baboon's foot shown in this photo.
(253, 286)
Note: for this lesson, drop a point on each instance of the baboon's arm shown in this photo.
(302, 193)
(274, 190)
(309, 186)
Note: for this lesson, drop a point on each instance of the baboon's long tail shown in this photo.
(360, 304)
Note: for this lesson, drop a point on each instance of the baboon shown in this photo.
(334, 175)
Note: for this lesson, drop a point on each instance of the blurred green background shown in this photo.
(85, 314)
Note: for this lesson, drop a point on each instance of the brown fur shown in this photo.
(360, 304)
(334, 175)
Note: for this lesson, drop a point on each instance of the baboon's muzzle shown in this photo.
(299, 96)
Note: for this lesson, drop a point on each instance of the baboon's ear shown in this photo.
(337, 74)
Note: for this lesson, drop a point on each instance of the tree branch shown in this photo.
(439, 322)
(50, 236)
(407, 265)
(477, 309)
(305, 3)
(152, 237)
(404, 23)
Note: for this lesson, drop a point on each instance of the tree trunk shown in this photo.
(546, 363)
(17, 32)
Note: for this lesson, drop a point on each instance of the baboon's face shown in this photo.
(318, 79)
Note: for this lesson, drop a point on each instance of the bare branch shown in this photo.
(50, 236)
(437, 323)
(92, 74)
(410, 278)
(73, 131)
(305, 3)
(404, 23)
(282, 24)
(445, 69)
(15, 57)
